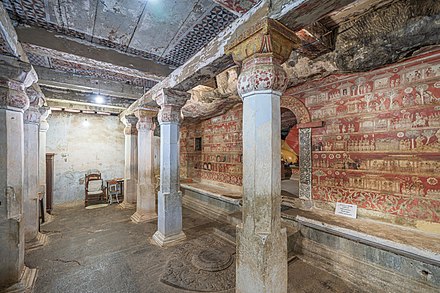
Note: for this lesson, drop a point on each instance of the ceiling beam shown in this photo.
(8, 36)
(69, 81)
(69, 106)
(69, 100)
(56, 42)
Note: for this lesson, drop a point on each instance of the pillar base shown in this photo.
(265, 269)
(39, 241)
(47, 218)
(162, 241)
(140, 217)
(25, 284)
(127, 205)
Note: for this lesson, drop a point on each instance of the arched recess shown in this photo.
(305, 144)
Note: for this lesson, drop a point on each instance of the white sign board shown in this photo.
(346, 210)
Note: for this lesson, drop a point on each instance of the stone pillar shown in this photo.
(14, 77)
(146, 192)
(31, 185)
(131, 162)
(169, 223)
(44, 127)
(261, 264)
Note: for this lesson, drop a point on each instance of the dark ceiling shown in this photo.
(165, 31)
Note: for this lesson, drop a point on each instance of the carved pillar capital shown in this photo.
(35, 95)
(261, 48)
(261, 72)
(15, 76)
(44, 113)
(13, 96)
(32, 115)
(145, 119)
(171, 103)
(130, 122)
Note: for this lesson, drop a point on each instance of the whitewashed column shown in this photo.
(146, 193)
(14, 77)
(261, 242)
(31, 185)
(169, 223)
(131, 162)
(44, 127)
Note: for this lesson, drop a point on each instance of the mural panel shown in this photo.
(380, 146)
(220, 157)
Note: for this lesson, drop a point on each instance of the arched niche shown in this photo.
(305, 144)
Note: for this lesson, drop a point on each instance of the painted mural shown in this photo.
(380, 144)
(219, 155)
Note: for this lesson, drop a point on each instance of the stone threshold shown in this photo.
(405, 241)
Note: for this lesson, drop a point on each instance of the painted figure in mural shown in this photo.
(419, 120)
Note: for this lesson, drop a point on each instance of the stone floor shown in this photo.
(101, 250)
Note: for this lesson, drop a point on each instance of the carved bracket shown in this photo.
(263, 36)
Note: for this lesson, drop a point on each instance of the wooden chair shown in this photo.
(114, 189)
(94, 188)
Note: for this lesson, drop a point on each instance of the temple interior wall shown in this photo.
(220, 158)
(80, 146)
(378, 149)
(379, 146)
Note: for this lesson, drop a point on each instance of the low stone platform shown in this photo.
(373, 255)
(214, 201)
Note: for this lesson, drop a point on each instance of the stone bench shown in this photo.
(379, 257)
(212, 200)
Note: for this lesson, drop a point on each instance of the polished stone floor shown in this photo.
(101, 250)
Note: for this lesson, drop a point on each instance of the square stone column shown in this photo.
(146, 192)
(261, 261)
(169, 224)
(31, 117)
(131, 162)
(44, 127)
(15, 76)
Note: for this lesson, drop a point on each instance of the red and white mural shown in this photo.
(380, 144)
(220, 157)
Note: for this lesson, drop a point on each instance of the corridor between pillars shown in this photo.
(146, 193)
(169, 223)
(261, 243)
(131, 162)
(15, 76)
(31, 193)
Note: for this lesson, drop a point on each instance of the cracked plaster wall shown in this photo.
(79, 148)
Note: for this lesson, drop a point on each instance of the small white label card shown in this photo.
(346, 210)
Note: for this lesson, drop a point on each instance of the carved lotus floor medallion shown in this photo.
(206, 264)
(212, 260)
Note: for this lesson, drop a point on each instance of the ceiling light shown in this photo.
(99, 99)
